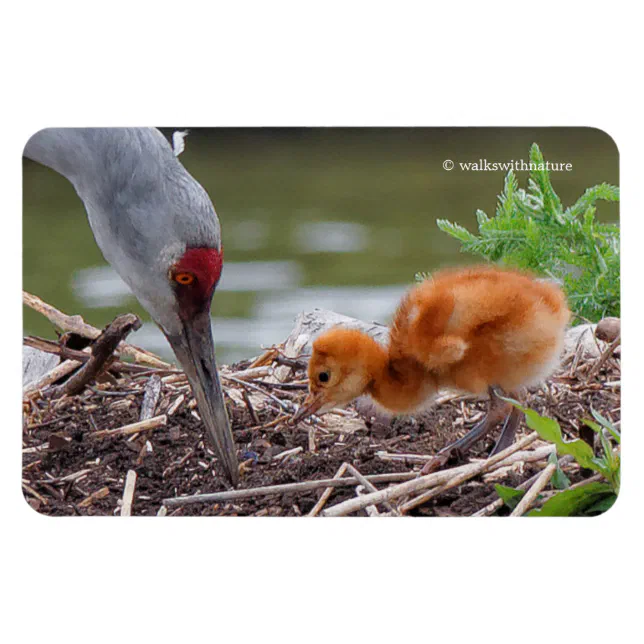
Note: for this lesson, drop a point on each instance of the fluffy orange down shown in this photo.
(466, 329)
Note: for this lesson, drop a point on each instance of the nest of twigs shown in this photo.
(131, 442)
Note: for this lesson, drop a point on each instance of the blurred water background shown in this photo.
(322, 217)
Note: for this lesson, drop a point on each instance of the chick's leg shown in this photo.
(497, 410)
(507, 433)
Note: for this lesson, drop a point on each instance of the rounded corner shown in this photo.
(606, 134)
(34, 507)
(29, 139)
(605, 512)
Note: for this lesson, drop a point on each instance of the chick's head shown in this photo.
(341, 368)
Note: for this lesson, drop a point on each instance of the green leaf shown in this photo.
(455, 230)
(594, 426)
(580, 450)
(603, 505)
(575, 502)
(481, 218)
(559, 478)
(549, 430)
(541, 178)
(604, 422)
(511, 496)
(603, 191)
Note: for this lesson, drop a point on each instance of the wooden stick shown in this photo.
(368, 485)
(305, 486)
(141, 426)
(429, 480)
(74, 476)
(478, 468)
(173, 466)
(99, 494)
(405, 458)
(498, 503)
(102, 350)
(249, 406)
(604, 356)
(76, 324)
(249, 374)
(371, 510)
(150, 397)
(257, 388)
(33, 493)
(265, 359)
(312, 445)
(288, 452)
(128, 493)
(529, 497)
(527, 456)
(49, 346)
(51, 377)
(272, 423)
(176, 404)
(50, 422)
(327, 492)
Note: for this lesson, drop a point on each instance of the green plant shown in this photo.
(532, 230)
(588, 499)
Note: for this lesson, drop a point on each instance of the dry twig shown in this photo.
(530, 496)
(141, 426)
(76, 324)
(58, 372)
(102, 350)
(128, 493)
(445, 477)
(304, 486)
(99, 494)
(151, 395)
(368, 485)
(327, 492)
(608, 352)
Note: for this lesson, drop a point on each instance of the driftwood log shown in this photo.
(36, 364)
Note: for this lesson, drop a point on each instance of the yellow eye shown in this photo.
(184, 278)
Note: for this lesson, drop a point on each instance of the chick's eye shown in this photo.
(323, 376)
(184, 278)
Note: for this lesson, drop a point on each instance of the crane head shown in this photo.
(167, 247)
(179, 297)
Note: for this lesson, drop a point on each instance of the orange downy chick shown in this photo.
(467, 329)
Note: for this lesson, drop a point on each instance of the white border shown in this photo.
(321, 64)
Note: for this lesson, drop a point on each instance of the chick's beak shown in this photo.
(195, 352)
(313, 403)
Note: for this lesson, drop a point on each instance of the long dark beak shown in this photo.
(195, 352)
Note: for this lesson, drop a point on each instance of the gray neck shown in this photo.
(101, 161)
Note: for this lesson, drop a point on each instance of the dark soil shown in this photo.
(64, 463)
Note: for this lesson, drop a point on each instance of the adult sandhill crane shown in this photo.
(158, 228)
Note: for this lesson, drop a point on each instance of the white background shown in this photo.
(331, 63)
